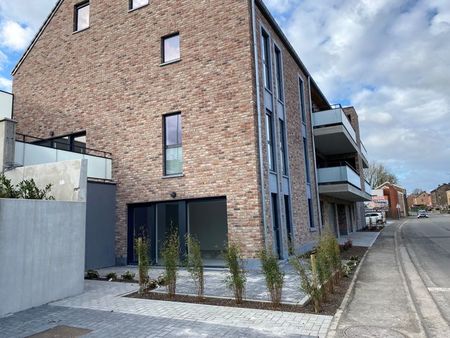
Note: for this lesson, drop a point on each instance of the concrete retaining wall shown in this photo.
(42, 249)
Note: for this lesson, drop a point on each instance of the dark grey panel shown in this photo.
(100, 225)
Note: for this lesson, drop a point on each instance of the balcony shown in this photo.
(364, 156)
(333, 133)
(342, 182)
(6, 104)
(27, 152)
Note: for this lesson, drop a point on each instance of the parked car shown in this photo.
(374, 218)
(422, 214)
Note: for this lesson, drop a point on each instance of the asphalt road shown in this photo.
(427, 241)
(403, 286)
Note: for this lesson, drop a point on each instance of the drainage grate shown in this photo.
(62, 331)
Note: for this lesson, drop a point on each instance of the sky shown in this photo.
(390, 59)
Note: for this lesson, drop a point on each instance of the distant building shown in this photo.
(439, 196)
(421, 199)
(396, 196)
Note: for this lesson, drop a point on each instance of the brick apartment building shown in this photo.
(422, 199)
(396, 196)
(439, 197)
(214, 125)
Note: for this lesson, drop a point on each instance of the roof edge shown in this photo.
(290, 48)
(36, 37)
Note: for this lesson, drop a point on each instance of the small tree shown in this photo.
(171, 257)
(236, 279)
(273, 275)
(308, 281)
(26, 189)
(194, 264)
(143, 262)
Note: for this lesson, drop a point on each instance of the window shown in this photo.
(284, 162)
(266, 60)
(311, 215)
(275, 222)
(171, 48)
(302, 99)
(81, 20)
(279, 65)
(305, 150)
(287, 211)
(269, 137)
(133, 4)
(173, 152)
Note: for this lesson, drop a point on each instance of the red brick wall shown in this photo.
(107, 80)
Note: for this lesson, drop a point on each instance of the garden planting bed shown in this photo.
(327, 308)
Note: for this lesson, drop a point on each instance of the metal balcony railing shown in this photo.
(333, 117)
(340, 174)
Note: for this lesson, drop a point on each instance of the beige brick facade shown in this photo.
(108, 80)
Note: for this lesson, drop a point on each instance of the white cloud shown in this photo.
(14, 36)
(5, 84)
(26, 12)
(389, 58)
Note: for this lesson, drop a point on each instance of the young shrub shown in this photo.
(324, 269)
(128, 276)
(143, 262)
(236, 279)
(171, 257)
(194, 264)
(27, 189)
(273, 275)
(111, 276)
(161, 280)
(308, 281)
(92, 274)
(7, 188)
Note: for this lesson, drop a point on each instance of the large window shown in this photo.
(173, 152)
(81, 19)
(311, 213)
(307, 168)
(283, 150)
(265, 45)
(133, 4)
(301, 88)
(270, 142)
(170, 48)
(279, 65)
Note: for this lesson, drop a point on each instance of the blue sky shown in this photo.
(388, 58)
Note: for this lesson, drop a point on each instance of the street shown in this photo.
(403, 288)
(428, 244)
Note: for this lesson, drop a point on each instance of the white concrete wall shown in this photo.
(68, 178)
(42, 249)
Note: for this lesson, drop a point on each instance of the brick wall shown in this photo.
(108, 81)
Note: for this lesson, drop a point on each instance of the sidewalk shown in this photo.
(378, 305)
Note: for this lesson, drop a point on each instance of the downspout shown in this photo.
(314, 155)
(258, 107)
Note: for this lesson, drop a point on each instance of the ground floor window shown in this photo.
(204, 219)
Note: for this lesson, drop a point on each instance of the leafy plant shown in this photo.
(111, 276)
(194, 263)
(128, 276)
(161, 280)
(273, 275)
(143, 261)
(26, 189)
(171, 257)
(308, 281)
(92, 274)
(236, 279)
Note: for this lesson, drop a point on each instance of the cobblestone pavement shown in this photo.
(101, 309)
(215, 283)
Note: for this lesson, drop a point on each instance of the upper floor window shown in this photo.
(279, 66)
(173, 151)
(270, 140)
(307, 167)
(133, 4)
(266, 60)
(283, 150)
(301, 86)
(170, 48)
(81, 20)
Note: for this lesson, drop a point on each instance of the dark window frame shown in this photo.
(163, 49)
(266, 60)
(131, 8)
(77, 7)
(283, 148)
(172, 146)
(307, 163)
(270, 140)
(302, 103)
(279, 73)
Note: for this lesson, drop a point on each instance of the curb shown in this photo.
(337, 317)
